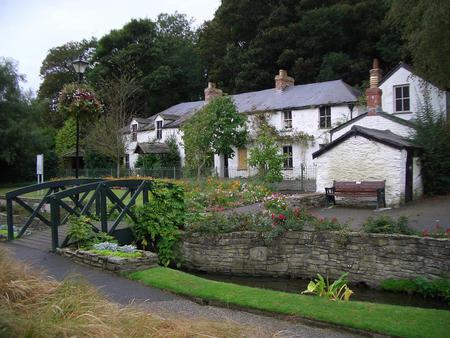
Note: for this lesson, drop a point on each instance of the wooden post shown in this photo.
(10, 218)
(103, 208)
(56, 219)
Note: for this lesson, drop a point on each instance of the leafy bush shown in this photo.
(437, 232)
(275, 202)
(436, 288)
(80, 230)
(326, 224)
(338, 290)
(159, 222)
(388, 225)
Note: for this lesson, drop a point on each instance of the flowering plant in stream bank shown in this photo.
(438, 231)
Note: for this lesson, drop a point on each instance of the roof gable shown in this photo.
(385, 137)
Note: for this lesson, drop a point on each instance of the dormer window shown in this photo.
(401, 99)
(159, 125)
(287, 119)
(134, 128)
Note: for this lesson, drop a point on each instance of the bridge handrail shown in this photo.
(51, 184)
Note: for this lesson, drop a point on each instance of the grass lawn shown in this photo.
(386, 319)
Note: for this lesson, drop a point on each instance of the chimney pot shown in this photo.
(282, 80)
(373, 94)
(212, 91)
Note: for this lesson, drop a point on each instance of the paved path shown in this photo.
(125, 291)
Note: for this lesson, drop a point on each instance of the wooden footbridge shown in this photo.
(106, 202)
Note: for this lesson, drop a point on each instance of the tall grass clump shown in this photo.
(34, 306)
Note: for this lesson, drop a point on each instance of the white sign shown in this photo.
(40, 164)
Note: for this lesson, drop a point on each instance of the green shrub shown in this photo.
(388, 225)
(80, 230)
(117, 253)
(327, 224)
(436, 288)
(159, 222)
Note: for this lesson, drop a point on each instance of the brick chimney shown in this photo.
(283, 81)
(212, 92)
(373, 93)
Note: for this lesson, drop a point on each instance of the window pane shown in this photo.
(398, 92)
(406, 104)
(398, 105)
(406, 91)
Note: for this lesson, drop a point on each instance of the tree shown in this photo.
(107, 137)
(215, 129)
(432, 134)
(265, 154)
(160, 55)
(57, 70)
(65, 139)
(426, 30)
(22, 133)
(313, 40)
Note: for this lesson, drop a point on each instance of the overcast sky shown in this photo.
(29, 28)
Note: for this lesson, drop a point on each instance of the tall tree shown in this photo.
(426, 29)
(22, 133)
(107, 137)
(57, 70)
(247, 41)
(160, 55)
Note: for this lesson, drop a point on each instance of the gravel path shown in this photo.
(125, 291)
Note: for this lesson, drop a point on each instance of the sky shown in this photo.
(29, 28)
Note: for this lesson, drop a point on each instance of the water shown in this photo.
(361, 292)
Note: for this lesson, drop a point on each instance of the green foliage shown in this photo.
(313, 40)
(93, 160)
(159, 222)
(160, 55)
(22, 133)
(171, 159)
(265, 155)
(214, 129)
(435, 288)
(65, 138)
(432, 134)
(338, 290)
(326, 224)
(388, 225)
(56, 71)
(426, 31)
(80, 230)
(116, 253)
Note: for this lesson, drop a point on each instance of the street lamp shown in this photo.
(79, 66)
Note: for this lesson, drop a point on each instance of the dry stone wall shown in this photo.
(369, 258)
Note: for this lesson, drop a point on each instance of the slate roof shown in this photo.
(151, 148)
(382, 136)
(299, 96)
(380, 113)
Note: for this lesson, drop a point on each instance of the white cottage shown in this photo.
(311, 109)
(373, 147)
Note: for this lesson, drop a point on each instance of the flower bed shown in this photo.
(113, 262)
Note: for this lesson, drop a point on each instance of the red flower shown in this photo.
(281, 217)
(425, 233)
(438, 226)
(447, 231)
(273, 216)
(334, 220)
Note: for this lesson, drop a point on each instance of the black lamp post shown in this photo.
(80, 67)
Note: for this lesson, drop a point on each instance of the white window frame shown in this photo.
(327, 117)
(290, 159)
(287, 119)
(402, 98)
(134, 129)
(159, 125)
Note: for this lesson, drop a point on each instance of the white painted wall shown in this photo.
(304, 120)
(376, 122)
(360, 159)
(416, 85)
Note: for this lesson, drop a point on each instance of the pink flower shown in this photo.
(281, 217)
(272, 216)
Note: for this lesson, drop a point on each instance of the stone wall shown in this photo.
(113, 264)
(369, 258)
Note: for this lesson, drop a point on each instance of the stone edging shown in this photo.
(111, 263)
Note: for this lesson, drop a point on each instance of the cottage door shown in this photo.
(409, 177)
